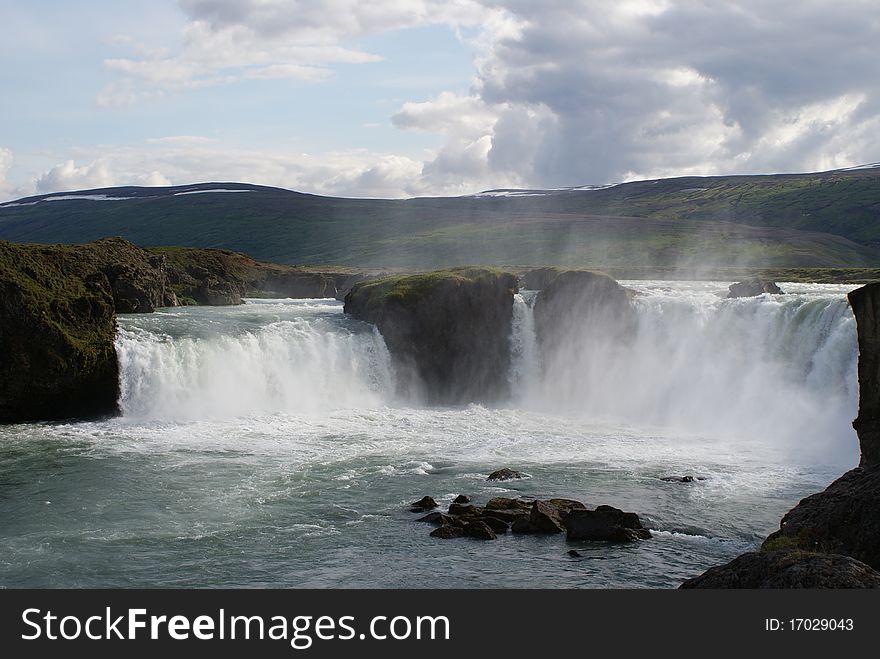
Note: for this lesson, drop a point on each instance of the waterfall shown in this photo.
(771, 368)
(524, 361)
(279, 363)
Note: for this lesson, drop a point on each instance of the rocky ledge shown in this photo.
(788, 569)
(448, 331)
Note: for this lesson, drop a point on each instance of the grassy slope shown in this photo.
(812, 220)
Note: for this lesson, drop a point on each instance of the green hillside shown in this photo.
(827, 220)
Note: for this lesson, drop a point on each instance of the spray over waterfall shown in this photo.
(772, 368)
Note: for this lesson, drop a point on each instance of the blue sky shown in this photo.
(415, 97)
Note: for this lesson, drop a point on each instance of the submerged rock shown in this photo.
(506, 474)
(682, 479)
(753, 287)
(574, 553)
(448, 332)
(605, 523)
(783, 569)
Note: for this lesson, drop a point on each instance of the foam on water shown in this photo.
(263, 445)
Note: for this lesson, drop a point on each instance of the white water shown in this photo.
(289, 358)
(263, 445)
(772, 369)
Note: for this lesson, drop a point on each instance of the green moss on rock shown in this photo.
(448, 331)
(57, 328)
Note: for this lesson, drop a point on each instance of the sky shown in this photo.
(403, 98)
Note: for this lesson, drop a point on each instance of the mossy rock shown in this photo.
(57, 328)
(448, 331)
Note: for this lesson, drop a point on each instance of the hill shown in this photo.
(827, 220)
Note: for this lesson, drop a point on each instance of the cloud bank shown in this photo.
(563, 92)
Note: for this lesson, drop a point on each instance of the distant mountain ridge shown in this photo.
(827, 219)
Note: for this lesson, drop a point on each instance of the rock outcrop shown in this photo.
(448, 332)
(536, 517)
(787, 569)
(753, 288)
(865, 303)
(579, 303)
(605, 523)
(842, 519)
(57, 327)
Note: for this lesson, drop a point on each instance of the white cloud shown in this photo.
(69, 176)
(225, 42)
(563, 93)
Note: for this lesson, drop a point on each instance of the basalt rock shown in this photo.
(461, 498)
(503, 503)
(448, 332)
(843, 519)
(479, 530)
(753, 288)
(506, 474)
(865, 303)
(439, 519)
(57, 328)
(605, 523)
(448, 532)
(578, 304)
(788, 569)
(423, 505)
(550, 516)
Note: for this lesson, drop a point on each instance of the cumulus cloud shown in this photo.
(645, 88)
(563, 93)
(182, 160)
(69, 176)
(226, 42)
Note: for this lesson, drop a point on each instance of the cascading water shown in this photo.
(291, 357)
(262, 445)
(524, 359)
(779, 369)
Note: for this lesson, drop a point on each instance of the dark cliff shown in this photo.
(865, 303)
(57, 327)
(448, 331)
